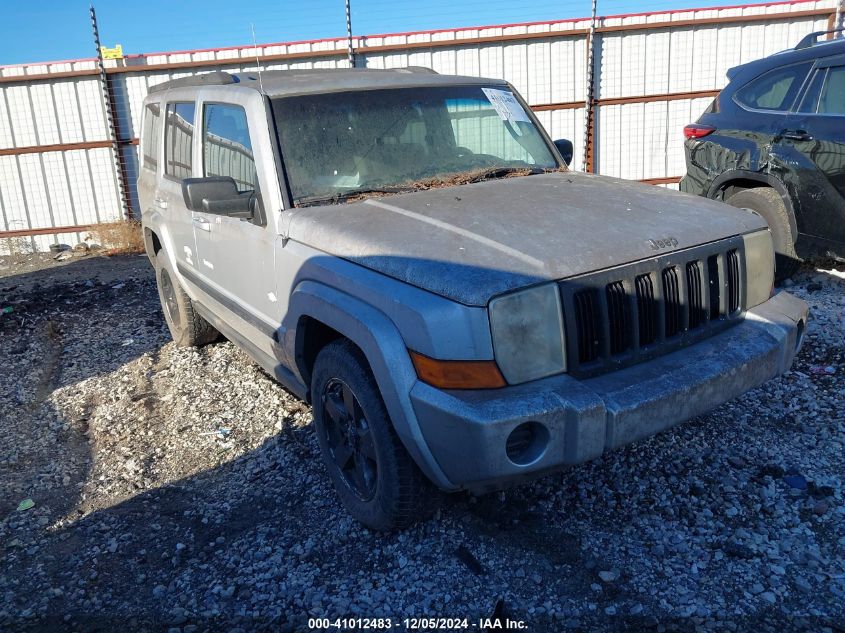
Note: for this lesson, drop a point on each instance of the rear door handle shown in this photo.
(161, 203)
(202, 224)
(796, 135)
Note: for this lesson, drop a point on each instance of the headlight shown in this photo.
(528, 339)
(759, 266)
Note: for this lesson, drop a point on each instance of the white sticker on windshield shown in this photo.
(507, 107)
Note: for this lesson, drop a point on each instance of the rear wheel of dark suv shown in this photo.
(767, 203)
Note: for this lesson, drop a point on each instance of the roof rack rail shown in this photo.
(216, 78)
(813, 38)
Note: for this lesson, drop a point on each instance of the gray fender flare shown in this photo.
(153, 221)
(383, 346)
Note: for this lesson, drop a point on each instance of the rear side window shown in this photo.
(152, 133)
(832, 100)
(178, 140)
(774, 90)
(810, 100)
(226, 146)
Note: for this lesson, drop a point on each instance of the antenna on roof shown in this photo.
(257, 63)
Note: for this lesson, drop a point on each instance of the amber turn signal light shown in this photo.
(457, 374)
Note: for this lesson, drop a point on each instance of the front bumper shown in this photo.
(467, 431)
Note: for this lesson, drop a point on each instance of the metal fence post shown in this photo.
(589, 122)
(350, 50)
(111, 120)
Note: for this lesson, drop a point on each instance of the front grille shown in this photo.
(697, 314)
(733, 281)
(586, 320)
(621, 316)
(618, 317)
(672, 301)
(715, 286)
(646, 309)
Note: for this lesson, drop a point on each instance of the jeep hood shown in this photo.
(471, 242)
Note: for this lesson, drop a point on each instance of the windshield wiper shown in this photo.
(337, 198)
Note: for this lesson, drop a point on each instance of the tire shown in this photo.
(767, 203)
(186, 326)
(377, 481)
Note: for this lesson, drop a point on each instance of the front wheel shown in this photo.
(375, 478)
(767, 203)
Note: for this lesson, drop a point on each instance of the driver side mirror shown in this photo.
(218, 195)
(564, 146)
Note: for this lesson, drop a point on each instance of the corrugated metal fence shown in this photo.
(653, 73)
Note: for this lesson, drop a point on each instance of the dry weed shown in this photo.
(119, 238)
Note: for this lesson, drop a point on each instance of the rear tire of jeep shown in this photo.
(767, 203)
(377, 481)
(186, 326)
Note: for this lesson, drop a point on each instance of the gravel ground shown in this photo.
(180, 489)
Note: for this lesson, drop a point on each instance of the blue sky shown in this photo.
(42, 30)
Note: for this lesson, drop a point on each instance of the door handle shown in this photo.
(161, 203)
(202, 224)
(796, 135)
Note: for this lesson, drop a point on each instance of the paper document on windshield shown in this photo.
(507, 107)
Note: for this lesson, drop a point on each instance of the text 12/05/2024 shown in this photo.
(416, 624)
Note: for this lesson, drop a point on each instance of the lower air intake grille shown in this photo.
(586, 321)
(618, 317)
(733, 282)
(672, 300)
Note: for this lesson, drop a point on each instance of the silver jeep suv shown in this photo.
(408, 252)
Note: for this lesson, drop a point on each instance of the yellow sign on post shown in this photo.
(112, 53)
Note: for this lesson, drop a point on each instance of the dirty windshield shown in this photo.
(339, 145)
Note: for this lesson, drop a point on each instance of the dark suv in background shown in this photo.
(773, 141)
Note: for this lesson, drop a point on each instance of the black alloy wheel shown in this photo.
(375, 478)
(349, 439)
(186, 326)
(169, 295)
